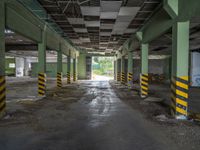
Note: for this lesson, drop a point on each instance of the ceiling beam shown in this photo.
(22, 47)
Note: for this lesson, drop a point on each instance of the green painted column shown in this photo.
(74, 69)
(123, 70)
(115, 70)
(130, 68)
(144, 70)
(42, 64)
(2, 60)
(69, 68)
(59, 68)
(118, 69)
(180, 72)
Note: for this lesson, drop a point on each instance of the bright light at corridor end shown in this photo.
(102, 68)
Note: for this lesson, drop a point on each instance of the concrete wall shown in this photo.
(19, 67)
(156, 66)
(27, 66)
(195, 69)
(10, 66)
(51, 69)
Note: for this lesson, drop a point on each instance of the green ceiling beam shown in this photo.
(53, 40)
(171, 6)
(171, 12)
(25, 23)
(156, 26)
(21, 21)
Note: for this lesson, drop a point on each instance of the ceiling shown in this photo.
(102, 25)
(99, 25)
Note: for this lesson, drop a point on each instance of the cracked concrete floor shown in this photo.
(88, 115)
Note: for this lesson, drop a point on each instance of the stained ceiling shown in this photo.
(99, 25)
(102, 25)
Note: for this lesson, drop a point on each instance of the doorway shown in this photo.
(102, 68)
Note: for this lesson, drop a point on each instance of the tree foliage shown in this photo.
(103, 66)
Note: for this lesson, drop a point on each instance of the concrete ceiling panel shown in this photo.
(90, 11)
(109, 15)
(110, 6)
(76, 20)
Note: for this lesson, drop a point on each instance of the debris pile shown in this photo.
(156, 78)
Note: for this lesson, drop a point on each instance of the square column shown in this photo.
(180, 70)
(130, 69)
(69, 69)
(144, 71)
(2, 60)
(118, 69)
(74, 69)
(123, 79)
(115, 70)
(59, 68)
(42, 65)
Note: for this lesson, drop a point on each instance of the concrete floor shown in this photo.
(90, 115)
(24, 87)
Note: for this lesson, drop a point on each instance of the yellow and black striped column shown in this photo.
(144, 85)
(41, 84)
(130, 78)
(179, 96)
(123, 78)
(2, 95)
(74, 76)
(59, 79)
(118, 76)
(68, 78)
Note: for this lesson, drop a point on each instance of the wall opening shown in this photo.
(102, 68)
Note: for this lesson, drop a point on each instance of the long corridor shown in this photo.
(87, 115)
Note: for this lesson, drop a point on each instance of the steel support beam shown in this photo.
(180, 72)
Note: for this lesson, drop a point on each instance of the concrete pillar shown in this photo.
(42, 65)
(123, 70)
(130, 69)
(69, 69)
(115, 69)
(180, 73)
(144, 71)
(118, 69)
(59, 68)
(2, 60)
(74, 69)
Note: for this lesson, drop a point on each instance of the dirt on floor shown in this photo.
(44, 119)
(184, 133)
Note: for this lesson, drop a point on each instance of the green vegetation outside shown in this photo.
(103, 66)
